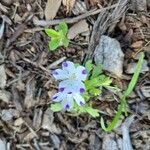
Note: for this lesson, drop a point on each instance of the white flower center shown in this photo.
(73, 77)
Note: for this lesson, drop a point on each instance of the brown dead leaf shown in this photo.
(69, 4)
(95, 2)
(137, 44)
(51, 9)
(78, 28)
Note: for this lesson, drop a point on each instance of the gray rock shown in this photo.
(109, 54)
(131, 67)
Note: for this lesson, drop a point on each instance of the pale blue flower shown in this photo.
(71, 85)
(71, 77)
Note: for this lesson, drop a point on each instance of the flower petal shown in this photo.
(73, 86)
(68, 66)
(60, 74)
(79, 99)
(81, 73)
(57, 97)
(68, 102)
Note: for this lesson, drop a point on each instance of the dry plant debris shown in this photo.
(26, 84)
(51, 8)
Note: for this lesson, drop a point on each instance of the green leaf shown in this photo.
(63, 26)
(53, 44)
(130, 88)
(93, 112)
(96, 71)
(52, 33)
(106, 81)
(95, 91)
(56, 107)
(92, 83)
(89, 66)
(135, 76)
(65, 42)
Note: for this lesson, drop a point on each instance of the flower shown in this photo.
(71, 77)
(67, 99)
(71, 85)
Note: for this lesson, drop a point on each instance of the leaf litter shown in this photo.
(25, 81)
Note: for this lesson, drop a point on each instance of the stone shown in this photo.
(109, 54)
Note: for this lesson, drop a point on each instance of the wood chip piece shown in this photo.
(78, 28)
(5, 96)
(2, 29)
(51, 9)
(48, 124)
(137, 44)
(69, 4)
(2, 76)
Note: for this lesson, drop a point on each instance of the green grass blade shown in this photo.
(135, 76)
(126, 94)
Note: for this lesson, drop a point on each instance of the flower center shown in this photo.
(73, 76)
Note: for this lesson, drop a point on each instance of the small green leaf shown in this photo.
(53, 44)
(92, 83)
(96, 71)
(95, 91)
(89, 66)
(56, 107)
(52, 33)
(63, 26)
(65, 42)
(93, 112)
(105, 81)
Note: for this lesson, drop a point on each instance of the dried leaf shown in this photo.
(51, 9)
(2, 76)
(5, 96)
(69, 4)
(137, 44)
(78, 28)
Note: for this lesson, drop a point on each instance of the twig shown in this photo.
(57, 62)
(72, 20)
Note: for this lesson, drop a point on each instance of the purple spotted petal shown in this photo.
(61, 89)
(68, 66)
(74, 86)
(67, 107)
(68, 102)
(58, 97)
(60, 74)
(79, 99)
(65, 64)
(84, 72)
(82, 90)
(81, 73)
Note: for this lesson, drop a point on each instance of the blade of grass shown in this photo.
(125, 95)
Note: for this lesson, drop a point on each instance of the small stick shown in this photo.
(72, 20)
(57, 62)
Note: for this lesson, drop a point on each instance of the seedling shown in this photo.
(58, 37)
(78, 84)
